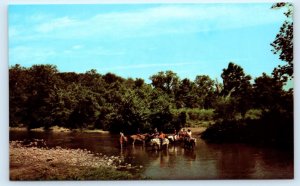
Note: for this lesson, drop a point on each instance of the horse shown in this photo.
(173, 138)
(139, 137)
(156, 142)
(123, 140)
(190, 143)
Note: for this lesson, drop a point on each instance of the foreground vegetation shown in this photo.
(33, 162)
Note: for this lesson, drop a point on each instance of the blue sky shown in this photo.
(139, 40)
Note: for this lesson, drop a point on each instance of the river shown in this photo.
(206, 161)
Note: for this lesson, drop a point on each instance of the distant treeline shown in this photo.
(40, 96)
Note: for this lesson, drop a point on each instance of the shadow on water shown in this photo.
(207, 161)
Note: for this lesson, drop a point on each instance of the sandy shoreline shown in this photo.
(197, 130)
(41, 163)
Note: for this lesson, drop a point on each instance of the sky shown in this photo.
(139, 40)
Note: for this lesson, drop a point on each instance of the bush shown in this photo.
(271, 129)
(196, 114)
(253, 114)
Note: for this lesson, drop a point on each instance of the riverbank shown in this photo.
(197, 130)
(34, 162)
(58, 129)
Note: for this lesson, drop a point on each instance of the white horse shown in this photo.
(156, 142)
(173, 138)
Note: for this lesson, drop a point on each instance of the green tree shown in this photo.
(268, 93)
(160, 108)
(19, 80)
(283, 43)
(185, 94)
(43, 85)
(166, 81)
(237, 86)
(205, 91)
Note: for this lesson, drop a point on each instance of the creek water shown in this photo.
(206, 161)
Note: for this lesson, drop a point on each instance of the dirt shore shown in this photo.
(197, 130)
(39, 163)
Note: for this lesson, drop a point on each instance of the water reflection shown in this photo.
(207, 161)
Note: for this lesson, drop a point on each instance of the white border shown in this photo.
(4, 158)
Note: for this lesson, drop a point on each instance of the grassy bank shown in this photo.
(33, 163)
(58, 129)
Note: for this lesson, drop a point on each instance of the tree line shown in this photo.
(41, 96)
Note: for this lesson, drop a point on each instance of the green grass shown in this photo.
(197, 117)
(77, 173)
(191, 123)
(104, 173)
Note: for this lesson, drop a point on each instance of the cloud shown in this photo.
(91, 51)
(77, 47)
(26, 55)
(56, 24)
(149, 65)
(152, 21)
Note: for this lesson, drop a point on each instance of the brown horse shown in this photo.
(190, 143)
(123, 140)
(139, 137)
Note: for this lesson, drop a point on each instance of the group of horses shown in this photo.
(157, 143)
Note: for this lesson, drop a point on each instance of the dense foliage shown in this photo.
(283, 43)
(41, 96)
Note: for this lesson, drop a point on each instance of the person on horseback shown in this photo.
(123, 140)
(155, 133)
(189, 134)
(138, 133)
(161, 137)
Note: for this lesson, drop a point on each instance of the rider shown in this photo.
(155, 133)
(161, 137)
(138, 132)
(189, 134)
(175, 135)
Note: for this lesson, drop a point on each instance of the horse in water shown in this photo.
(123, 140)
(190, 143)
(139, 137)
(156, 142)
(173, 138)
